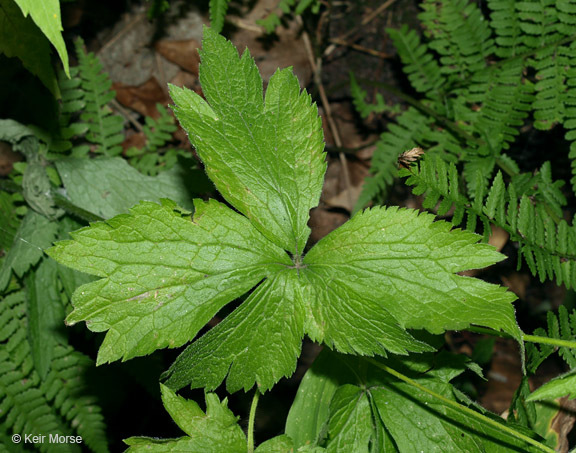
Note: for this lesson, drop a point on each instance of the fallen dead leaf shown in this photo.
(323, 222)
(142, 98)
(7, 158)
(504, 376)
(498, 238)
(517, 283)
(185, 79)
(134, 140)
(182, 53)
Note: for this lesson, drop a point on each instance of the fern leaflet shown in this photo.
(546, 246)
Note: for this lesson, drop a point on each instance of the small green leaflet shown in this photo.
(36, 232)
(215, 431)
(564, 385)
(362, 406)
(164, 275)
(110, 186)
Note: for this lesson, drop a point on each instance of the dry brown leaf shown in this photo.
(323, 222)
(498, 238)
(142, 98)
(182, 53)
(185, 79)
(134, 140)
(7, 158)
(504, 376)
(517, 283)
(346, 199)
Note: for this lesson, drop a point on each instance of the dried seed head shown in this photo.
(408, 157)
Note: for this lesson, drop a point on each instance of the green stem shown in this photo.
(529, 338)
(553, 341)
(460, 407)
(251, 419)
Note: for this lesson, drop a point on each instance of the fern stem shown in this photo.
(251, 418)
(459, 407)
(529, 338)
(523, 56)
(423, 108)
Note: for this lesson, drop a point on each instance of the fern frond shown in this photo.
(104, 128)
(419, 63)
(65, 388)
(459, 33)
(560, 327)
(546, 247)
(570, 108)
(22, 404)
(151, 158)
(365, 109)
(54, 406)
(551, 65)
(72, 101)
(538, 21)
(506, 98)
(296, 7)
(400, 137)
(506, 25)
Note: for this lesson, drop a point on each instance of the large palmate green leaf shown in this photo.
(402, 262)
(165, 275)
(264, 155)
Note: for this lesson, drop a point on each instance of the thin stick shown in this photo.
(122, 32)
(360, 48)
(368, 19)
(316, 69)
(126, 115)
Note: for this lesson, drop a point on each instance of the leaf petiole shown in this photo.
(251, 418)
(529, 338)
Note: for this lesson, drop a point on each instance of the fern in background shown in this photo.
(527, 212)
(561, 327)
(153, 157)
(481, 80)
(104, 129)
(57, 404)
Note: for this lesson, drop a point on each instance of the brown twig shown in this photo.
(122, 32)
(126, 115)
(358, 47)
(383, 7)
(316, 66)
